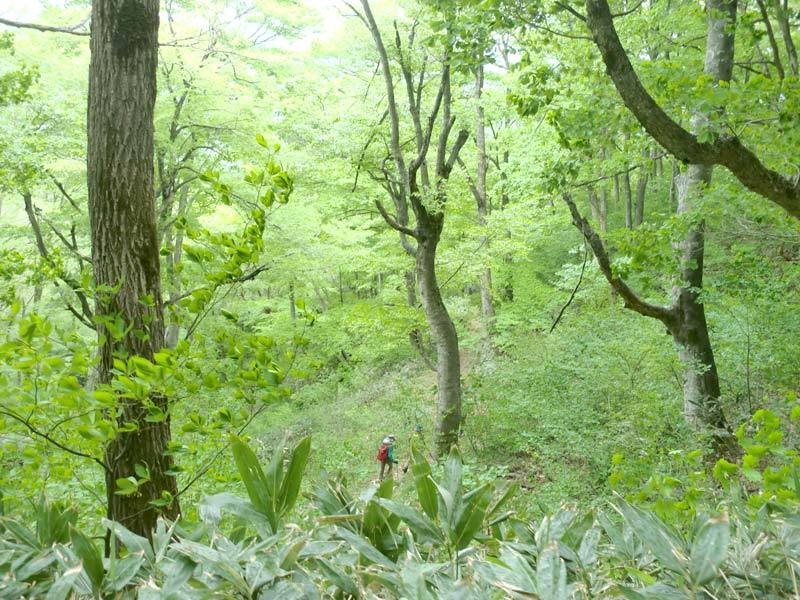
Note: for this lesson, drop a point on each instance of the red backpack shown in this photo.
(383, 453)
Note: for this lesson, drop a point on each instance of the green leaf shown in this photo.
(290, 486)
(421, 525)
(426, 490)
(254, 480)
(657, 538)
(364, 548)
(133, 542)
(551, 574)
(90, 556)
(709, 549)
(122, 571)
(472, 516)
(261, 140)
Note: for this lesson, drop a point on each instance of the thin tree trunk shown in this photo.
(641, 191)
(292, 308)
(125, 252)
(173, 276)
(602, 209)
(594, 205)
(487, 308)
(786, 32)
(445, 338)
(626, 187)
(773, 43)
(672, 182)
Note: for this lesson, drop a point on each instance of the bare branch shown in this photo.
(392, 222)
(632, 300)
(74, 30)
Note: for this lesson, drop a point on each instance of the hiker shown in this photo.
(386, 455)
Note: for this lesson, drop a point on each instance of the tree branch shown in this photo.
(392, 222)
(726, 151)
(88, 314)
(74, 30)
(631, 299)
(51, 440)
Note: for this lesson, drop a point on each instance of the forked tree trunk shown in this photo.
(445, 338)
(122, 90)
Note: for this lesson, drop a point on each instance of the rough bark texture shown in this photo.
(726, 151)
(122, 90)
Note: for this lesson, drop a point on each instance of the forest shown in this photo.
(399, 299)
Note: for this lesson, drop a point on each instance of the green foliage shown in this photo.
(358, 548)
(274, 493)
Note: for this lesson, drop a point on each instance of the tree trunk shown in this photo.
(445, 338)
(786, 33)
(641, 190)
(594, 205)
(415, 335)
(626, 186)
(701, 392)
(125, 253)
(487, 308)
(292, 308)
(602, 209)
(173, 276)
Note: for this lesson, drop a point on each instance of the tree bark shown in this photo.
(626, 186)
(641, 190)
(445, 338)
(786, 33)
(728, 151)
(125, 252)
(701, 395)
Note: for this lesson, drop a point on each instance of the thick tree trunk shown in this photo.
(415, 335)
(701, 391)
(122, 90)
(445, 338)
(701, 397)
